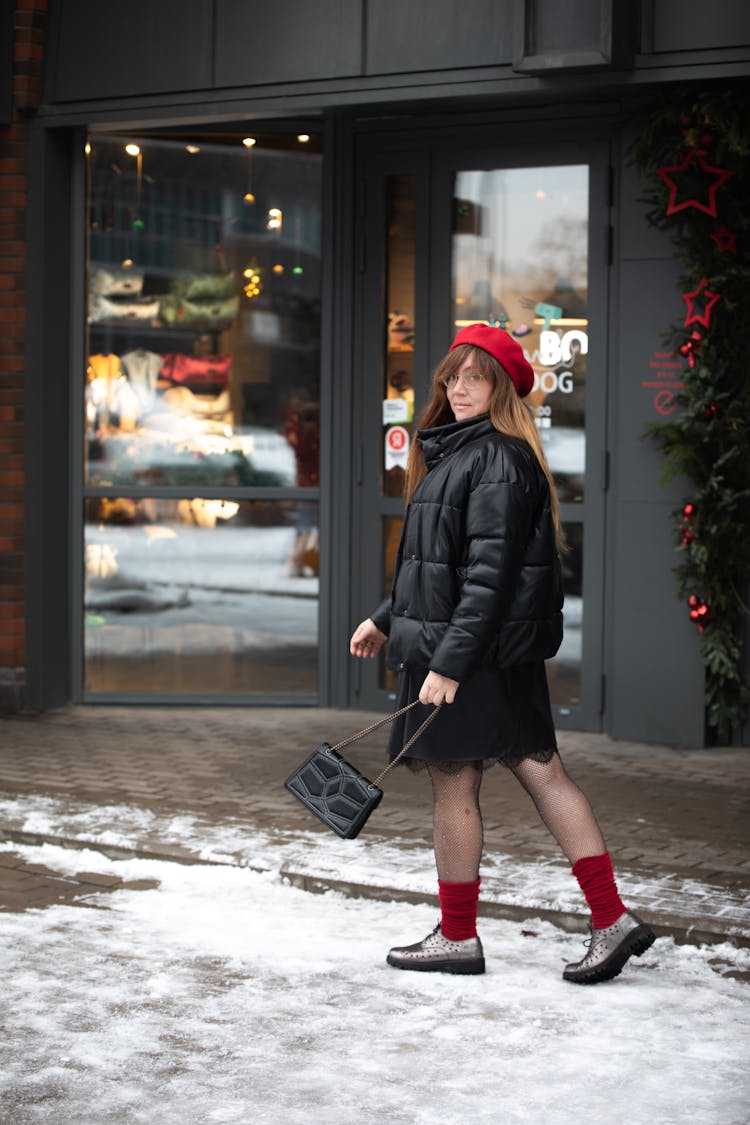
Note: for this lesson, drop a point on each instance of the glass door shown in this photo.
(509, 239)
(520, 261)
(527, 251)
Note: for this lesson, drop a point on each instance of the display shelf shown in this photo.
(139, 328)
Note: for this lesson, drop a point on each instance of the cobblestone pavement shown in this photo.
(29, 886)
(682, 812)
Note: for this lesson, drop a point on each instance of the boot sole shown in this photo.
(460, 968)
(634, 945)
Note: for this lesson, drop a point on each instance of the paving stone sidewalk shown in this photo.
(663, 811)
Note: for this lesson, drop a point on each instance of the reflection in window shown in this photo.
(520, 252)
(203, 311)
(390, 535)
(200, 596)
(564, 671)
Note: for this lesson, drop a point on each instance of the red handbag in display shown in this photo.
(198, 372)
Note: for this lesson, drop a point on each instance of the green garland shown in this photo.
(693, 140)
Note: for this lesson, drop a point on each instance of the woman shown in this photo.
(476, 609)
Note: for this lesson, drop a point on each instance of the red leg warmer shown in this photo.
(458, 909)
(597, 881)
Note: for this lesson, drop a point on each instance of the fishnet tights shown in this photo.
(564, 809)
(458, 831)
(457, 822)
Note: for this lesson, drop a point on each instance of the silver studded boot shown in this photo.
(610, 948)
(438, 954)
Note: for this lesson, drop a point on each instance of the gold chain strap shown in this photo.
(382, 722)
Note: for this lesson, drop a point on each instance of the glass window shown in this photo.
(203, 311)
(203, 372)
(200, 596)
(564, 671)
(520, 251)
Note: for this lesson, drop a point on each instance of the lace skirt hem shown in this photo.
(510, 761)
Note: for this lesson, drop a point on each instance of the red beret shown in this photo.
(502, 347)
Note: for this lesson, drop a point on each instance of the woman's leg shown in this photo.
(617, 933)
(562, 806)
(457, 822)
(453, 946)
(458, 837)
(570, 818)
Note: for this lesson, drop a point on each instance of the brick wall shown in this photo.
(28, 45)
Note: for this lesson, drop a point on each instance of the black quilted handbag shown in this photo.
(335, 791)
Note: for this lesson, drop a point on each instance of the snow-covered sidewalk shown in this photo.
(371, 865)
(226, 995)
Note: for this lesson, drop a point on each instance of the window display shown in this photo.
(203, 306)
(203, 372)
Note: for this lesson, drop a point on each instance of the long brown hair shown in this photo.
(508, 413)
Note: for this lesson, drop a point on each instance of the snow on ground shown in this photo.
(370, 860)
(226, 996)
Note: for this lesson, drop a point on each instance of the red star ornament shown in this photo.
(701, 290)
(726, 240)
(669, 174)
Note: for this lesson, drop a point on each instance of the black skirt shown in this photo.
(498, 715)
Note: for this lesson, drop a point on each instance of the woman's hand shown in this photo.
(367, 640)
(438, 689)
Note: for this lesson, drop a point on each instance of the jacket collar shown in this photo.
(441, 441)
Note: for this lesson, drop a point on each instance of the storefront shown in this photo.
(246, 273)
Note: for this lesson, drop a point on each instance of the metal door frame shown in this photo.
(371, 176)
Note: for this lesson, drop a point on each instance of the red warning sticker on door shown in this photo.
(396, 447)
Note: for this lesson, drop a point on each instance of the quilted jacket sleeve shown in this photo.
(499, 518)
(382, 616)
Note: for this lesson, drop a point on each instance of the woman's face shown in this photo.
(469, 397)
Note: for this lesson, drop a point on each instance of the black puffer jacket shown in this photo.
(477, 576)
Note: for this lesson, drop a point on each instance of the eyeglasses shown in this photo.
(472, 381)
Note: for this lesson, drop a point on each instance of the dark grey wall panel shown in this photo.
(411, 35)
(657, 678)
(560, 25)
(636, 238)
(47, 389)
(649, 302)
(7, 16)
(691, 25)
(259, 42)
(119, 49)
(656, 691)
